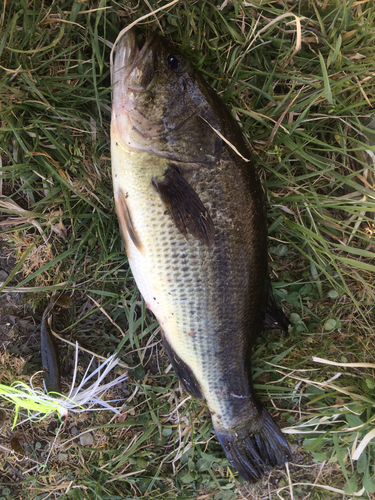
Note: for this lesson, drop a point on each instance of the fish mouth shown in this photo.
(126, 53)
(127, 121)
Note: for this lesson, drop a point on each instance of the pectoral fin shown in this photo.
(125, 220)
(184, 206)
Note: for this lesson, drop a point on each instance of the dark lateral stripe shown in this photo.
(125, 220)
(183, 371)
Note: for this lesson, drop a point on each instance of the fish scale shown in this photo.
(196, 238)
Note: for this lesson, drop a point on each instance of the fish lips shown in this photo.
(136, 130)
(126, 56)
(126, 52)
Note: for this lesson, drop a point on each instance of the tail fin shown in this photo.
(252, 454)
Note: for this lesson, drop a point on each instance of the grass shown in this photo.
(302, 86)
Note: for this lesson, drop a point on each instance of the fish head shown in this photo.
(160, 104)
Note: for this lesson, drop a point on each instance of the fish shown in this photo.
(192, 216)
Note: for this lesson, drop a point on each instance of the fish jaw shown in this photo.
(135, 129)
(126, 52)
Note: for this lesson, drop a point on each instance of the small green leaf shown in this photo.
(368, 482)
(138, 373)
(353, 420)
(321, 457)
(330, 324)
(281, 356)
(295, 318)
(305, 290)
(274, 345)
(187, 477)
(314, 444)
(227, 486)
(279, 250)
(333, 294)
(300, 328)
(210, 458)
(362, 463)
(293, 297)
(225, 495)
(185, 457)
(142, 463)
(202, 465)
(334, 52)
(351, 486)
(159, 440)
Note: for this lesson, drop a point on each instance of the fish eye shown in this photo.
(176, 63)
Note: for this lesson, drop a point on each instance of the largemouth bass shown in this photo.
(192, 217)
